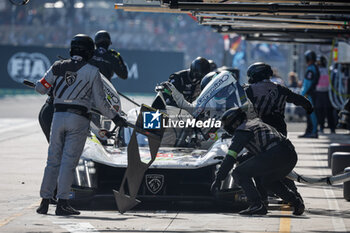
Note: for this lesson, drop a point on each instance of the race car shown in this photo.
(178, 173)
(183, 170)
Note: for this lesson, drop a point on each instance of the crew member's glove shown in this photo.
(166, 87)
(215, 186)
(114, 53)
(309, 109)
(226, 165)
(225, 168)
(119, 121)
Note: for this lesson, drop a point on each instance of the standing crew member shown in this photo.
(323, 105)
(187, 82)
(75, 85)
(269, 100)
(273, 158)
(308, 90)
(107, 60)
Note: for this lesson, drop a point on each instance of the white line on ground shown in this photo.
(77, 227)
(337, 221)
(7, 124)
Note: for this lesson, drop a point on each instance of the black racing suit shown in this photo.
(273, 158)
(269, 100)
(109, 62)
(183, 84)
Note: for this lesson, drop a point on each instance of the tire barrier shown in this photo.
(336, 147)
(340, 160)
(346, 187)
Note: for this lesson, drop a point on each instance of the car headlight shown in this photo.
(85, 174)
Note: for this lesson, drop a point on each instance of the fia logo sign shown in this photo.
(31, 66)
(154, 182)
(151, 120)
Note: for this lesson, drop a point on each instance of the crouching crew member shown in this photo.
(273, 158)
(269, 100)
(75, 85)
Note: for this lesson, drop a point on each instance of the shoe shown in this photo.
(299, 207)
(299, 196)
(266, 202)
(63, 208)
(308, 135)
(53, 201)
(258, 209)
(44, 206)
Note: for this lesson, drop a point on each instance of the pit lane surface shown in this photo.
(23, 154)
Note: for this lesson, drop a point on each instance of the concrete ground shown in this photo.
(23, 150)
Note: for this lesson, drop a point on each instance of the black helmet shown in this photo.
(199, 68)
(82, 45)
(323, 61)
(310, 56)
(259, 71)
(102, 39)
(232, 118)
(212, 65)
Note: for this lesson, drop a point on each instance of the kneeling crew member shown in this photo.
(269, 100)
(273, 158)
(75, 86)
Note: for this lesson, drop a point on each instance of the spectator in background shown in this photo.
(323, 106)
(275, 78)
(293, 81)
(310, 81)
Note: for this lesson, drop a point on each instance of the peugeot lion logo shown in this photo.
(154, 182)
(70, 77)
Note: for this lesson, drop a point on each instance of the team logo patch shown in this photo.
(154, 182)
(151, 120)
(273, 94)
(70, 77)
